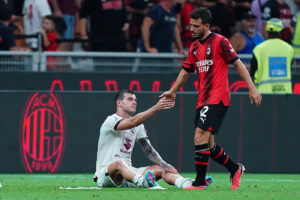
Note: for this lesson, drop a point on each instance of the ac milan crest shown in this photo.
(42, 135)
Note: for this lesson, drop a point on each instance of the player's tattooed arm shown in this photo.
(150, 152)
(154, 156)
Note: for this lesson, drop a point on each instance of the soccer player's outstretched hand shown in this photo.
(255, 96)
(167, 168)
(168, 95)
(164, 104)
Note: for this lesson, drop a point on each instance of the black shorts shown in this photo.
(210, 117)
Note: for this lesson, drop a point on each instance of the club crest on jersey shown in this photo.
(204, 65)
(208, 50)
(127, 145)
(195, 52)
(43, 133)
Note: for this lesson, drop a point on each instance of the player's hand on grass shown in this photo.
(255, 96)
(167, 168)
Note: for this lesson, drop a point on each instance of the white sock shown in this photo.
(140, 181)
(183, 182)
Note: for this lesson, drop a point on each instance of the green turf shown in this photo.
(46, 186)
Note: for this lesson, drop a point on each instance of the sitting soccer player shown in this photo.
(118, 134)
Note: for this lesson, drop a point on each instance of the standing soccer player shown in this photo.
(209, 56)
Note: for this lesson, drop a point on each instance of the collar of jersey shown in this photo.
(202, 41)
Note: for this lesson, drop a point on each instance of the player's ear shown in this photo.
(118, 102)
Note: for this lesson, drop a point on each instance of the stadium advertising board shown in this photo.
(109, 82)
(59, 131)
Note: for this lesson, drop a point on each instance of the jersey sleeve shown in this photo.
(110, 123)
(188, 63)
(228, 52)
(141, 132)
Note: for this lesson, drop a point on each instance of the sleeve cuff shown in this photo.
(187, 69)
(116, 126)
(233, 60)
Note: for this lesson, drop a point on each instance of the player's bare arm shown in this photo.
(154, 156)
(254, 95)
(181, 79)
(128, 123)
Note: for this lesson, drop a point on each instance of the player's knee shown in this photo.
(201, 137)
(120, 164)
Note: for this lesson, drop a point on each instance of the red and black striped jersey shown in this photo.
(210, 59)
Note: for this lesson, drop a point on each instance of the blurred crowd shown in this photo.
(138, 25)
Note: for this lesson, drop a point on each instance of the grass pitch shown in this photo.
(46, 186)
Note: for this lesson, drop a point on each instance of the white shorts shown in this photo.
(104, 180)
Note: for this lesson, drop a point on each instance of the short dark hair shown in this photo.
(5, 13)
(51, 18)
(120, 94)
(201, 13)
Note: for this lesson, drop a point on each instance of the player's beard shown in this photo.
(201, 34)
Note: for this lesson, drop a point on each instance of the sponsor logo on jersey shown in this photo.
(204, 65)
(42, 135)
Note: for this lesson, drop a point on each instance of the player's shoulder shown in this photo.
(219, 36)
(111, 119)
(114, 117)
(220, 39)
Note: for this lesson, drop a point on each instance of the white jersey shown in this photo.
(34, 11)
(116, 145)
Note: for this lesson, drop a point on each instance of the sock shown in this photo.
(201, 161)
(183, 182)
(140, 181)
(217, 154)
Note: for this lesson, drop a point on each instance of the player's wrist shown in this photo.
(163, 164)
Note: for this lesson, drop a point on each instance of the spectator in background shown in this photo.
(244, 41)
(278, 9)
(137, 9)
(223, 21)
(7, 39)
(108, 23)
(159, 29)
(186, 34)
(66, 9)
(34, 11)
(296, 36)
(256, 8)
(49, 34)
(49, 37)
(271, 61)
(240, 7)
